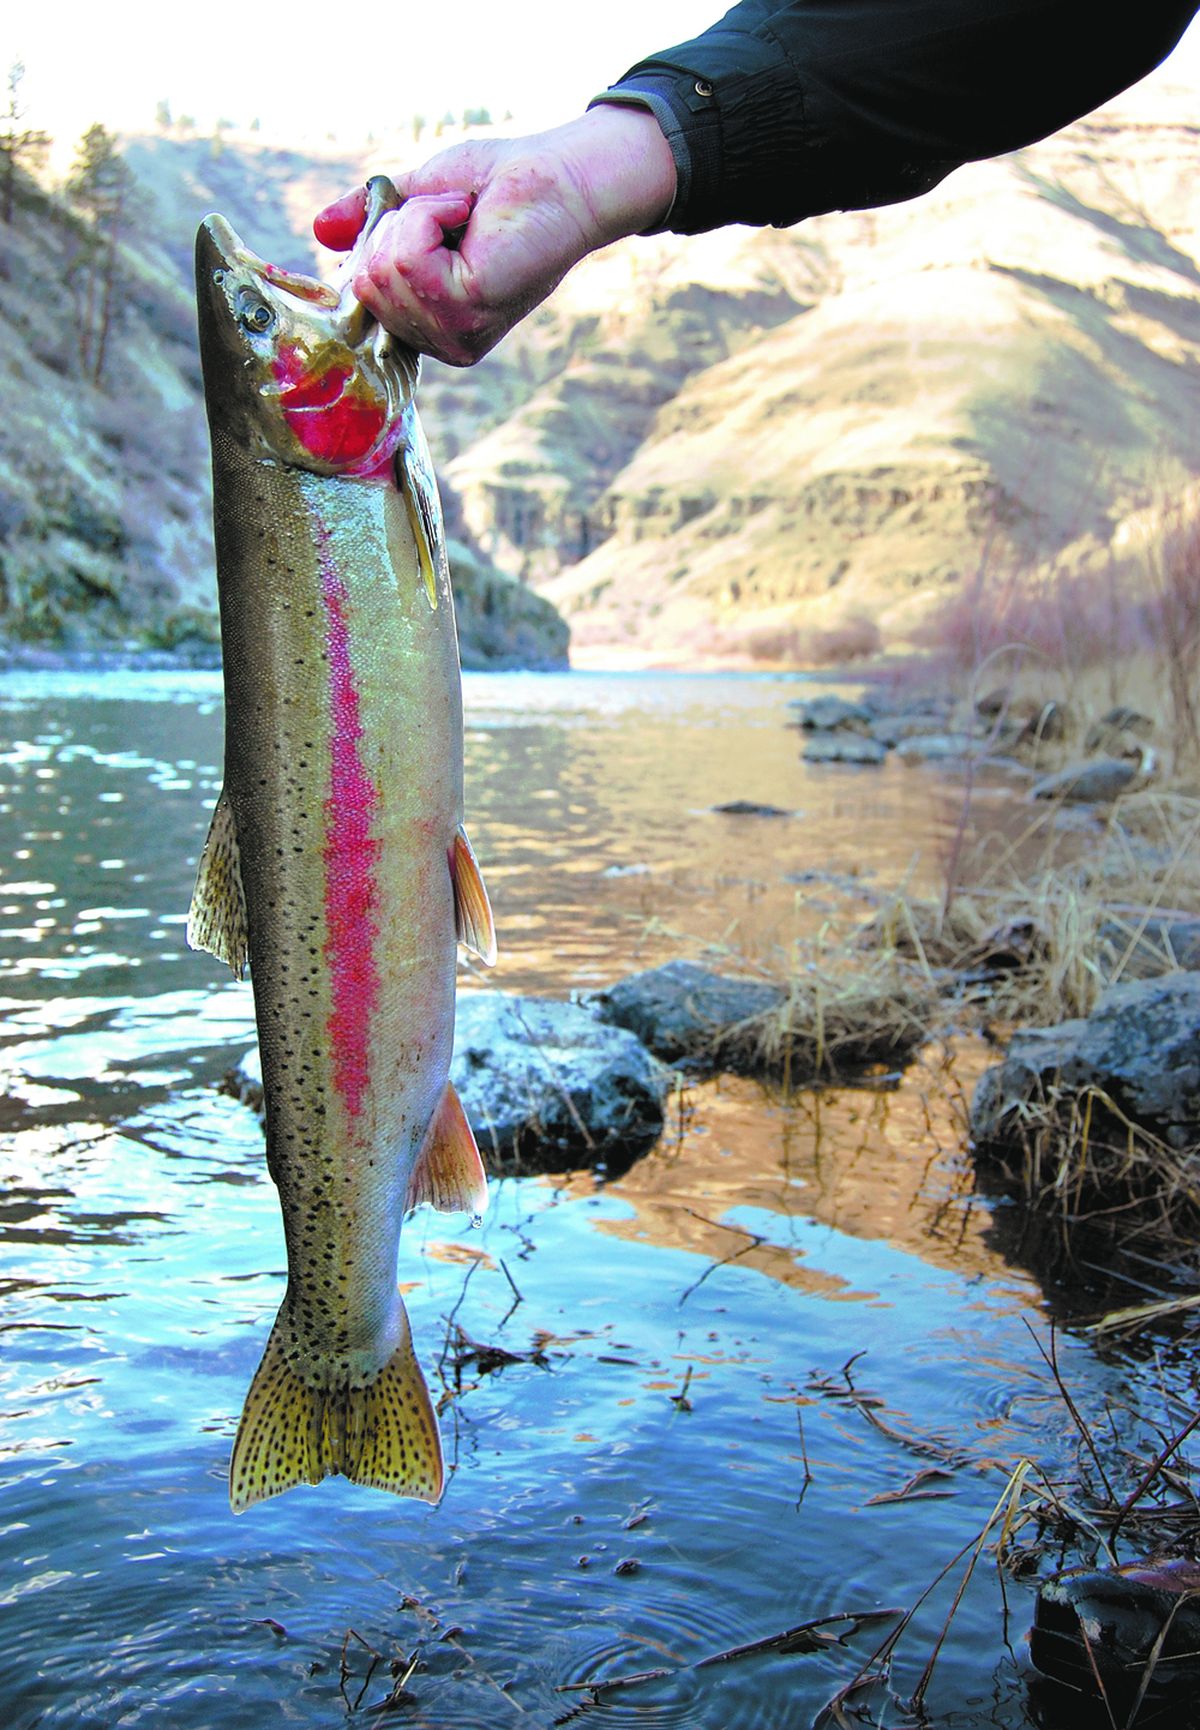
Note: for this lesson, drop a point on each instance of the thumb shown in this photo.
(337, 225)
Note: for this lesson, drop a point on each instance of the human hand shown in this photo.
(489, 227)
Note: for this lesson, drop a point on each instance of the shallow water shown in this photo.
(677, 1461)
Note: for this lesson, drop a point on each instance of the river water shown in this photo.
(719, 1364)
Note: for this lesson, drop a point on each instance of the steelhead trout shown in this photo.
(337, 865)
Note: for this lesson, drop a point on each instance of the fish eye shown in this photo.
(219, 278)
(254, 313)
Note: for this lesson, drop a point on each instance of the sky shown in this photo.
(304, 70)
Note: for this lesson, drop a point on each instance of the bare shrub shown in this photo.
(1074, 1153)
(854, 638)
(1067, 620)
(1171, 622)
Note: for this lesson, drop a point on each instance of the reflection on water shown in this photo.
(679, 1457)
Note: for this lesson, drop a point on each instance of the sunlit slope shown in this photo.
(848, 419)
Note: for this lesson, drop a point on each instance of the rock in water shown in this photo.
(827, 714)
(1093, 783)
(1104, 1629)
(546, 1085)
(749, 808)
(1140, 1048)
(843, 747)
(684, 1012)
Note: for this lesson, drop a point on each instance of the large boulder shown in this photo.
(546, 1085)
(1139, 1050)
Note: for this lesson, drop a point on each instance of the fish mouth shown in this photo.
(218, 247)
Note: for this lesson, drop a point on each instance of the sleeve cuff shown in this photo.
(722, 104)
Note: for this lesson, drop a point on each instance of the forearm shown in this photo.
(780, 112)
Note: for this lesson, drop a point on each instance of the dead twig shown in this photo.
(734, 1255)
(345, 1673)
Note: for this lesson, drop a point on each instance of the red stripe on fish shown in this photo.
(351, 858)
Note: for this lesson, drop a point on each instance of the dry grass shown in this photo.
(842, 1012)
(1132, 1485)
(1075, 1158)
(1044, 926)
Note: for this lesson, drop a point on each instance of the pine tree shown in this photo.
(99, 185)
(20, 147)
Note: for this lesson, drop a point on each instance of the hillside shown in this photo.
(103, 504)
(817, 436)
(105, 495)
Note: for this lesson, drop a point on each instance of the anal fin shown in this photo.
(384, 1435)
(449, 1173)
(217, 917)
(472, 909)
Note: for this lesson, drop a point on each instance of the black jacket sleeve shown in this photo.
(779, 112)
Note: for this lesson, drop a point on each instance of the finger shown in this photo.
(464, 168)
(407, 271)
(338, 225)
(420, 288)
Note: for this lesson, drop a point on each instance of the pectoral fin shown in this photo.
(472, 909)
(217, 916)
(449, 1172)
(415, 478)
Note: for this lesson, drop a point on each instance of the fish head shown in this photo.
(294, 370)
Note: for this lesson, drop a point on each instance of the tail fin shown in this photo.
(384, 1435)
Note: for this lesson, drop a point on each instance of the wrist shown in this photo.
(621, 167)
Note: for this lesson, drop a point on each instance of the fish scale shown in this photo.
(337, 862)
